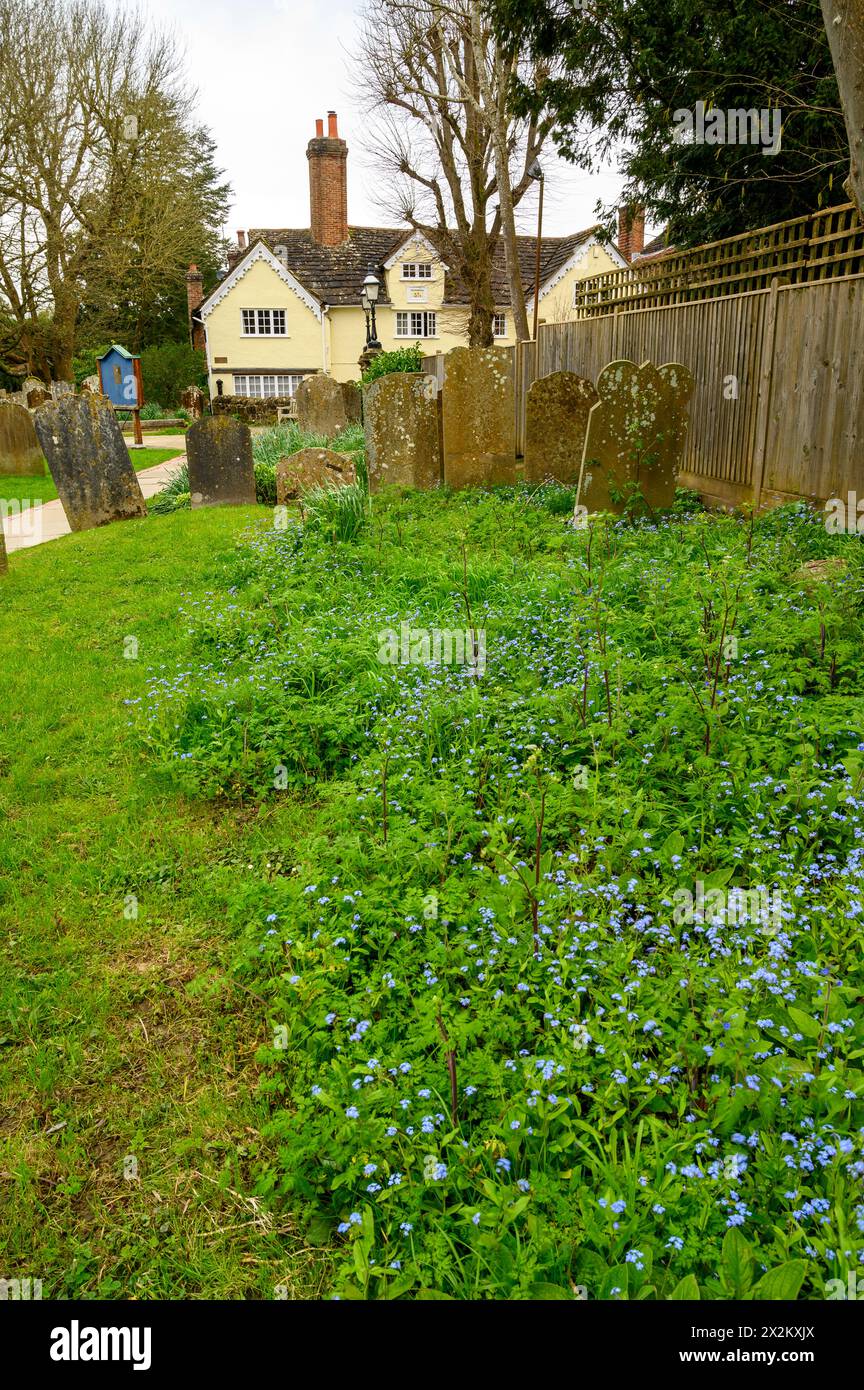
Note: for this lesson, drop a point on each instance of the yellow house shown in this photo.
(289, 304)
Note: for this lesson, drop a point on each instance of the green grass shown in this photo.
(42, 489)
(104, 1026)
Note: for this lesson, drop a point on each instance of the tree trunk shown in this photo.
(508, 232)
(478, 281)
(844, 25)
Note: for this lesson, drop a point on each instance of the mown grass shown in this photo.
(108, 1046)
(16, 488)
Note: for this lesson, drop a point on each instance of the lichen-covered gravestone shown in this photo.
(635, 439)
(219, 455)
(20, 453)
(192, 399)
(401, 422)
(479, 418)
(556, 421)
(89, 461)
(92, 384)
(351, 399)
(310, 468)
(321, 405)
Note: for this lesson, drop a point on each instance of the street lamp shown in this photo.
(371, 289)
(536, 172)
(365, 304)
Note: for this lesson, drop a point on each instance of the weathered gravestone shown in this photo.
(479, 418)
(92, 384)
(89, 462)
(19, 447)
(62, 388)
(36, 396)
(352, 402)
(556, 421)
(310, 468)
(192, 399)
(635, 439)
(219, 455)
(321, 405)
(401, 421)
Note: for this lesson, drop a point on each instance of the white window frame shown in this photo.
(499, 319)
(265, 386)
(253, 321)
(416, 270)
(406, 323)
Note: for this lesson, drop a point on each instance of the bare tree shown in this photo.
(844, 25)
(87, 98)
(436, 84)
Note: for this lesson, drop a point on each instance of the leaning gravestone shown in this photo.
(310, 468)
(636, 435)
(479, 418)
(219, 454)
(19, 446)
(321, 405)
(89, 462)
(401, 420)
(556, 420)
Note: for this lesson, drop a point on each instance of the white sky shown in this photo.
(265, 69)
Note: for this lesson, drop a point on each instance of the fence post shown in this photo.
(766, 378)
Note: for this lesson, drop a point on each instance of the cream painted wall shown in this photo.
(556, 303)
(261, 288)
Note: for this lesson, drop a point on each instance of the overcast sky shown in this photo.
(265, 69)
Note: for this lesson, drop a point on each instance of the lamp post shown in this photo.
(372, 288)
(364, 301)
(536, 172)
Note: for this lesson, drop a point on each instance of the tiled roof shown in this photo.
(334, 274)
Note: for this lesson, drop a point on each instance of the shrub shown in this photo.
(338, 512)
(169, 368)
(407, 359)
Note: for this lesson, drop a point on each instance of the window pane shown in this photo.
(248, 320)
(255, 386)
(431, 328)
(424, 270)
(239, 386)
(401, 325)
(279, 321)
(264, 321)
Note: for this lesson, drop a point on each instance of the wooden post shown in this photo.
(541, 182)
(766, 376)
(139, 438)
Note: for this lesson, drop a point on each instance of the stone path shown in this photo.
(35, 525)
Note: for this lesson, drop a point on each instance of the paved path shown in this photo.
(35, 525)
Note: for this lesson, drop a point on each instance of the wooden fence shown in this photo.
(778, 406)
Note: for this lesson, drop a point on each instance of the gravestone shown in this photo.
(310, 468)
(636, 435)
(321, 405)
(401, 420)
(556, 421)
(219, 455)
(192, 399)
(352, 402)
(479, 418)
(19, 447)
(62, 388)
(92, 384)
(36, 396)
(89, 462)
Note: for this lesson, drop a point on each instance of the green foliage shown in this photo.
(340, 513)
(167, 369)
(502, 1063)
(623, 70)
(84, 363)
(405, 359)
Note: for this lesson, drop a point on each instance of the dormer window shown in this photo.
(416, 270)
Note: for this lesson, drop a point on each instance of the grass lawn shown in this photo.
(43, 490)
(482, 979)
(173, 429)
(107, 1030)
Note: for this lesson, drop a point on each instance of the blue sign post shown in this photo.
(120, 380)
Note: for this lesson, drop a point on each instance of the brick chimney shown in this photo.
(241, 240)
(631, 231)
(328, 184)
(194, 300)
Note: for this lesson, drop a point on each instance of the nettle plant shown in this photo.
(499, 1065)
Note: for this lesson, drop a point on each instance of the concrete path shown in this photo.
(42, 523)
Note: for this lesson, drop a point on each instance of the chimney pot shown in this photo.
(319, 130)
(241, 240)
(332, 130)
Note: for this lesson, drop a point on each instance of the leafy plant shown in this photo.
(404, 359)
